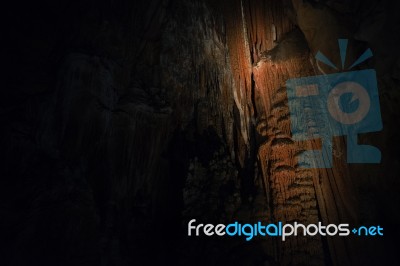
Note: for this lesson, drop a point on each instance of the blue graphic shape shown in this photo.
(321, 57)
(348, 102)
(366, 55)
(343, 50)
(341, 104)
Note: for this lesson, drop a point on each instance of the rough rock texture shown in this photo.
(121, 121)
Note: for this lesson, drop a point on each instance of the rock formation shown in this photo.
(124, 120)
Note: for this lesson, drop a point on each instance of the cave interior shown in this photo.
(123, 120)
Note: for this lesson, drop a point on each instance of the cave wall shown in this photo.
(124, 120)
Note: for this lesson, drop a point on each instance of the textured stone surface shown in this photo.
(123, 120)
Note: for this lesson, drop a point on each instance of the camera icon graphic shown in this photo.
(340, 104)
